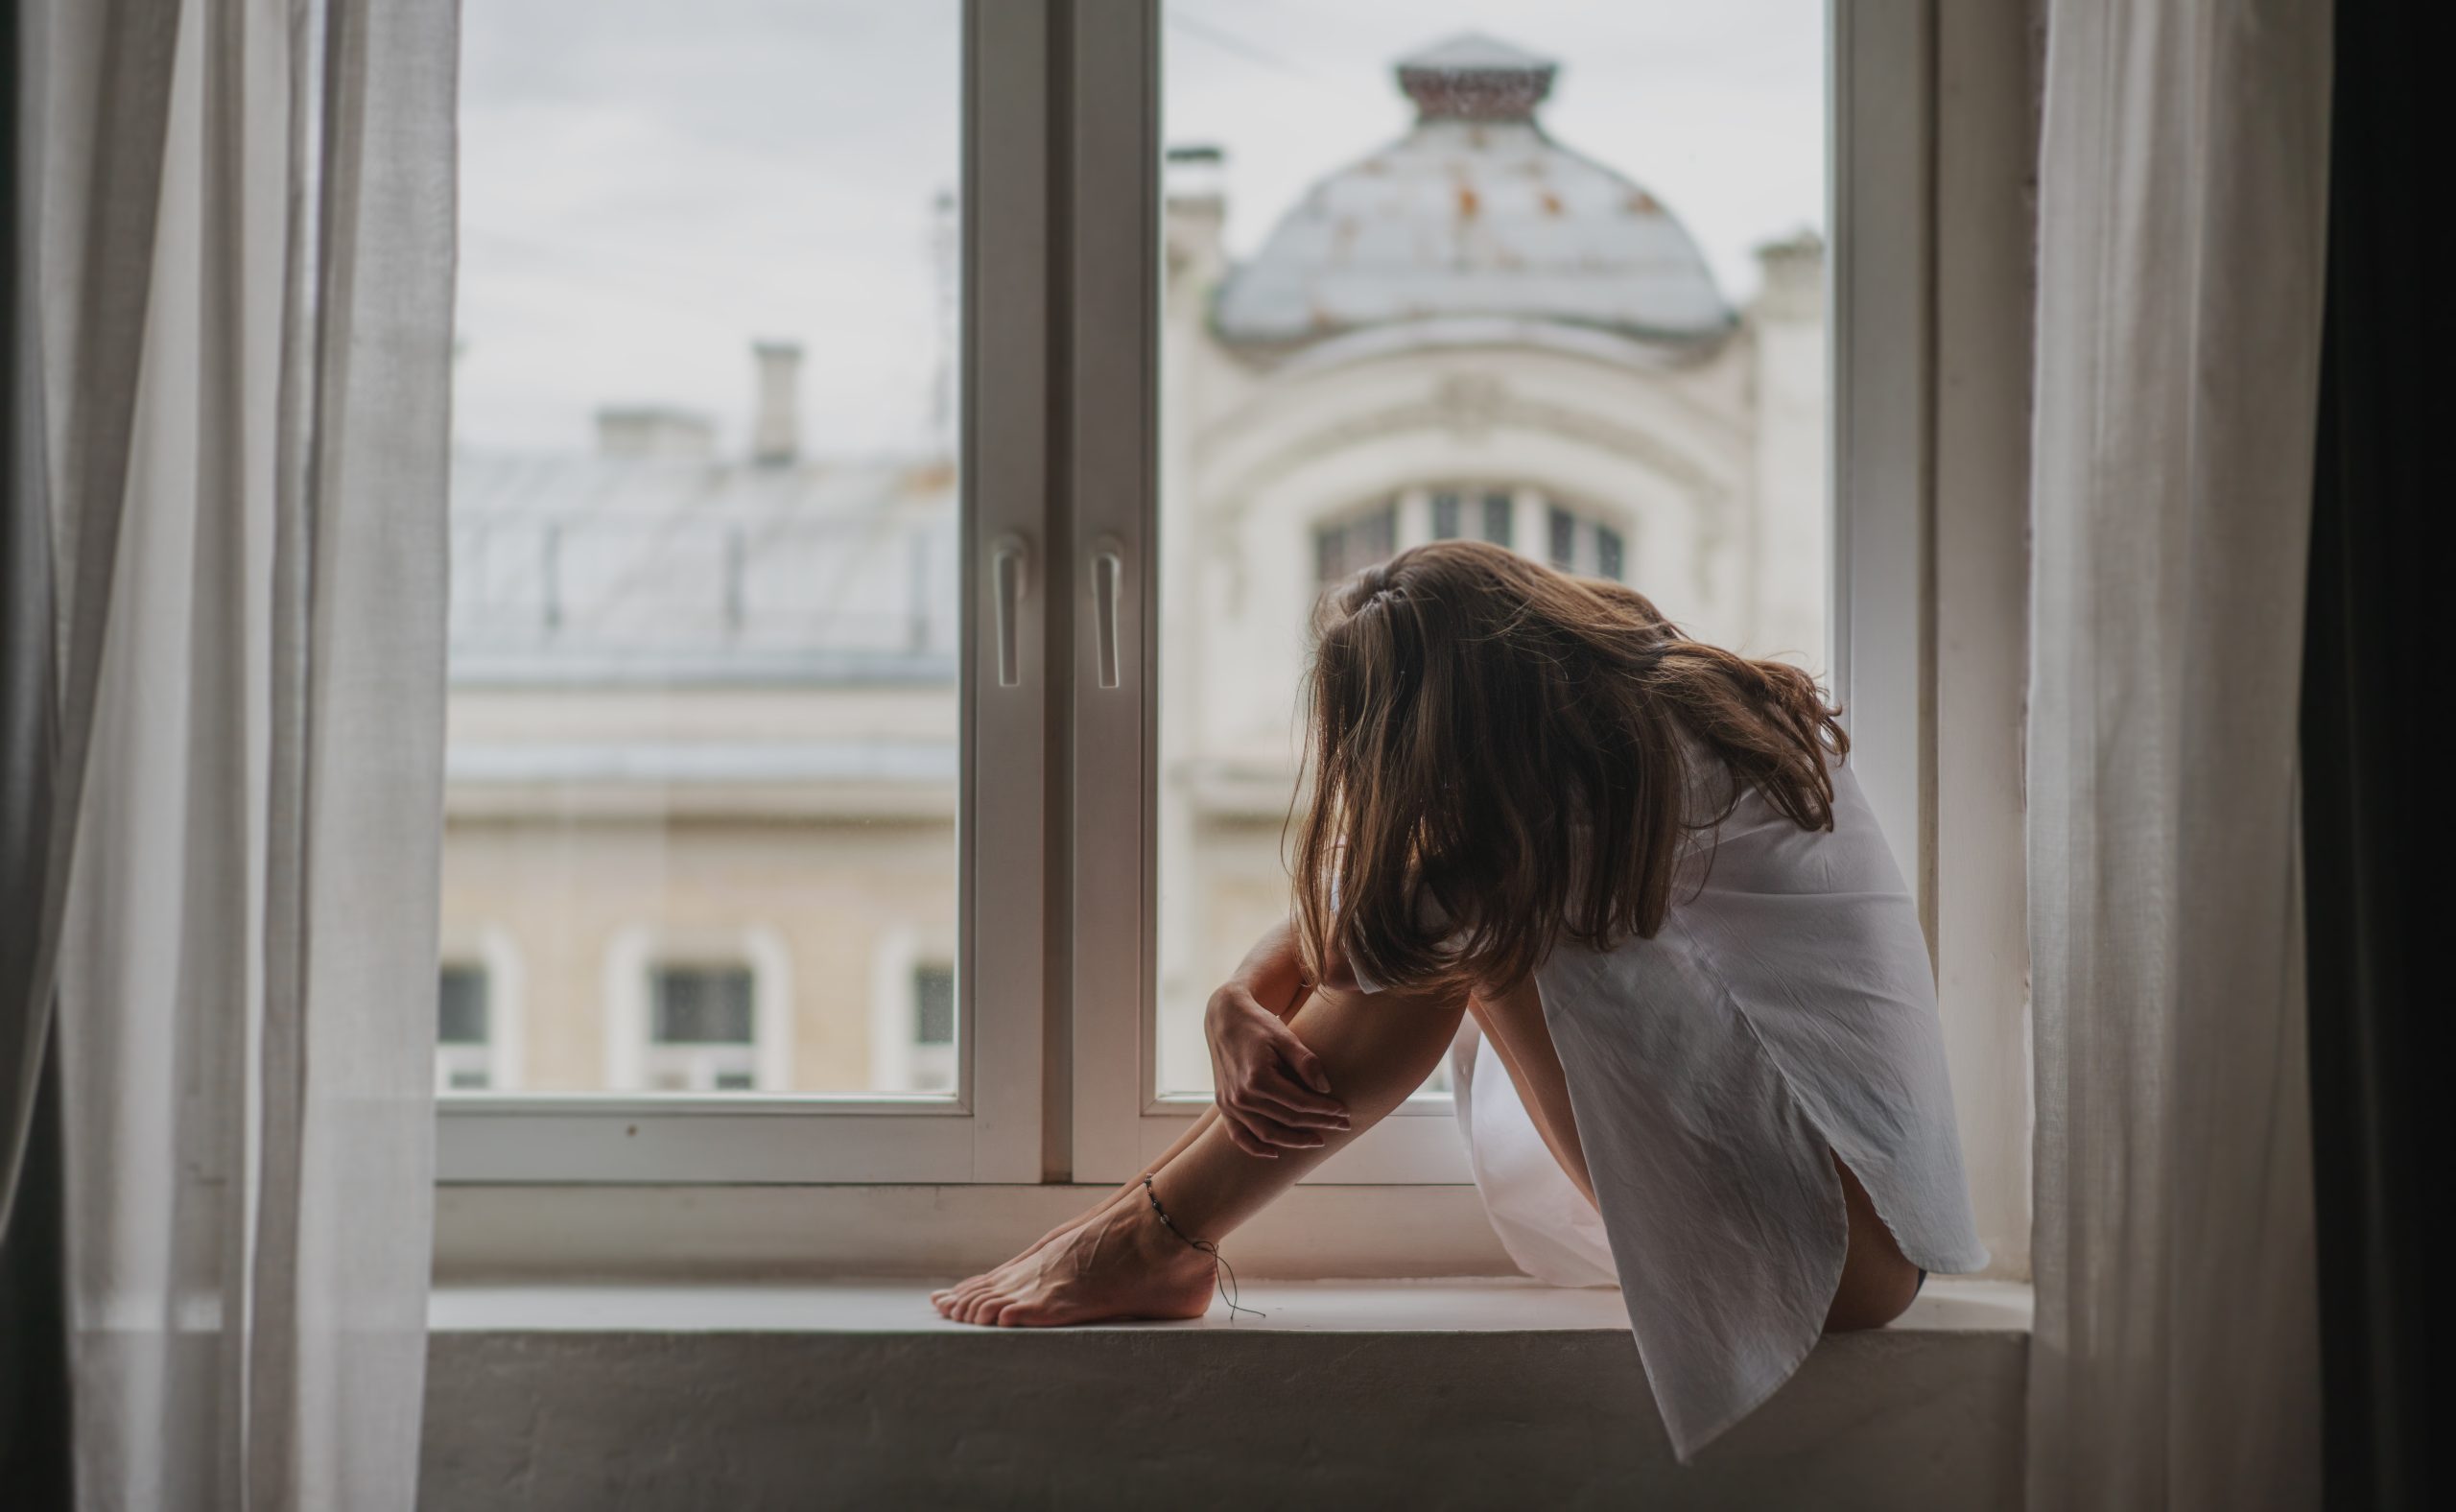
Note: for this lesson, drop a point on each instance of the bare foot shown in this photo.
(948, 1300)
(1117, 1264)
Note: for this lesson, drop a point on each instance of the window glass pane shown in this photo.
(1545, 265)
(1560, 528)
(462, 1020)
(1498, 509)
(701, 1005)
(1350, 546)
(707, 554)
(934, 1006)
(1607, 553)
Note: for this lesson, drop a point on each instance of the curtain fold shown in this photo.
(235, 257)
(2183, 185)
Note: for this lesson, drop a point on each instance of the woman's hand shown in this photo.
(1271, 1091)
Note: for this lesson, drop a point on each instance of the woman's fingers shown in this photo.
(1264, 1122)
(1246, 1140)
(1279, 1081)
(1305, 1066)
(1282, 1101)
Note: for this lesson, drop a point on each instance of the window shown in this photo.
(911, 1025)
(932, 1030)
(1357, 539)
(731, 616)
(706, 1012)
(463, 1057)
(759, 652)
(479, 1026)
(1404, 306)
(1497, 515)
(1353, 545)
(703, 1029)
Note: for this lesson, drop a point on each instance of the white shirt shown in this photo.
(1787, 1005)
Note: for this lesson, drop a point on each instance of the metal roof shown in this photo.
(585, 569)
(1473, 52)
(1474, 212)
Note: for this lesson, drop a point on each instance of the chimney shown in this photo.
(1791, 278)
(1198, 211)
(775, 431)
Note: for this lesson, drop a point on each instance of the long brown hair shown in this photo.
(1499, 757)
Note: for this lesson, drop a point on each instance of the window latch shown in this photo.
(1108, 572)
(1006, 562)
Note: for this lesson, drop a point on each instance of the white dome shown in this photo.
(1474, 212)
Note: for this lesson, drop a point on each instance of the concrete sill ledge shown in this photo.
(1348, 1394)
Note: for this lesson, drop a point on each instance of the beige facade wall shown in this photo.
(850, 905)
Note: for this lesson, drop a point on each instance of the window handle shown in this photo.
(1108, 572)
(1006, 560)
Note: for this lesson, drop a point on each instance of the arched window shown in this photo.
(1524, 519)
(699, 1010)
(702, 1027)
(1354, 543)
(478, 1013)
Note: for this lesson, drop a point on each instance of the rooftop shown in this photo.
(639, 568)
(1475, 212)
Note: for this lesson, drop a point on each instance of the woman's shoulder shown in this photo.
(1741, 841)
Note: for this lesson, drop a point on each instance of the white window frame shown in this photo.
(1121, 1120)
(1928, 406)
(1932, 141)
(991, 1128)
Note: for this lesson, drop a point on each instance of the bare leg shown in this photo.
(1514, 1021)
(1877, 1282)
(1117, 1260)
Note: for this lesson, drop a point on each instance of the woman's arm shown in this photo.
(1269, 1089)
(1272, 973)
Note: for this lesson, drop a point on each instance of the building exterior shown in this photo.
(702, 773)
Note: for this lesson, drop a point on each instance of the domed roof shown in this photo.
(1474, 212)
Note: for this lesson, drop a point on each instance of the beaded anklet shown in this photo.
(1223, 1276)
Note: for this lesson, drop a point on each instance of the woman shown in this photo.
(1628, 874)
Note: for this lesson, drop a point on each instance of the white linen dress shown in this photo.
(1785, 1008)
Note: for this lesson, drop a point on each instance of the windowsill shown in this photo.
(1495, 1305)
(559, 1232)
(1451, 1393)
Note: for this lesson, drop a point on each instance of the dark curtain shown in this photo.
(35, 1448)
(2375, 677)
(34, 1343)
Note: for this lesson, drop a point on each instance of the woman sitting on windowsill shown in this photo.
(1629, 876)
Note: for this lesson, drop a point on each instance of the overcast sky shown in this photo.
(646, 187)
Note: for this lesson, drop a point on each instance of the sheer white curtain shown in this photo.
(2180, 219)
(235, 249)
